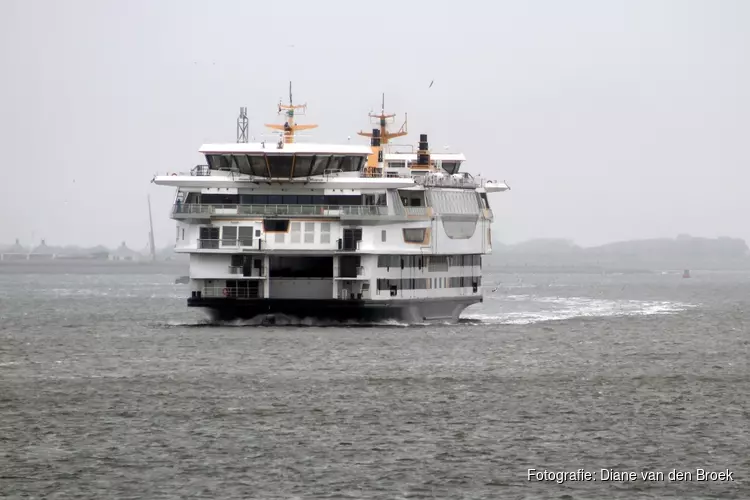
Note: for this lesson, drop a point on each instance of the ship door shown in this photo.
(351, 237)
(247, 265)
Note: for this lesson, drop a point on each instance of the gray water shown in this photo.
(111, 388)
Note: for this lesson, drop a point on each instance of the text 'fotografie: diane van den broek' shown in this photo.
(615, 475)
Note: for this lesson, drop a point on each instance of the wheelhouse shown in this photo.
(286, 161)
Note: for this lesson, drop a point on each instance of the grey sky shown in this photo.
(609, 119)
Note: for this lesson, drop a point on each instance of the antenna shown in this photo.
(151, 232)
(242, 125)
(383, 120)
(289, 128)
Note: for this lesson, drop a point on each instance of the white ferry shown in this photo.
(332, 231)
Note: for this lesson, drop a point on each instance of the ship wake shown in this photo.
(527, 309)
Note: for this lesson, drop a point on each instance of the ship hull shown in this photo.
(364, 311)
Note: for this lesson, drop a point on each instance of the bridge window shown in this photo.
(280, 165)
(303, 166)
(335, 163)
(351, 163)
(275, 225)
(451, 166)
(284, 165)
(258, 166)
(219, 162)
(320, 165)
(243, 164)
(414, 235)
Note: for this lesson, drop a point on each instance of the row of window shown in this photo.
(286, 199)
(304, 232)
(285, 165)
(449, 166)
(435, 263)
(385, 284)
(243, 235)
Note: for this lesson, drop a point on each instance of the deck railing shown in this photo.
(254, 292)
(305, 210)
(255, 272)
(228, 243)
(416, 210)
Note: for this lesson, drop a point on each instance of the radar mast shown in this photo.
(383, 120)
(289, 128)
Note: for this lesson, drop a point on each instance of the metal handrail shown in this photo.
(200, 171)
(322, 210)
(208, 243)
(416, 210)
(226, 242)
(256, 272)
(446, 181)
(233, 292)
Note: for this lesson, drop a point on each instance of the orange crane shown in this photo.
(289, 127)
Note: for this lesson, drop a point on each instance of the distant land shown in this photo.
(682, 252)
(43, 251)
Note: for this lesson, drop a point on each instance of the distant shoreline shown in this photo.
(62, 266)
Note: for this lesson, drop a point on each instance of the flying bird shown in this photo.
(433, 81)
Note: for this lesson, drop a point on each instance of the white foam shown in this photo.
(542, 309)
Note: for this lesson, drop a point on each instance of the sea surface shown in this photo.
(110, 387)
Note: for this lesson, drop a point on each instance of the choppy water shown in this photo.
(111, 388)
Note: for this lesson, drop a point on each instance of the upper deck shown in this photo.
(450, 162)
(283, 162)
(279, 160)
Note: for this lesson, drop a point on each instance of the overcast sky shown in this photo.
(610, 119)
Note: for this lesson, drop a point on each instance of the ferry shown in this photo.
(361, 233)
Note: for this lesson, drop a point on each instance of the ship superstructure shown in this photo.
(335, 231)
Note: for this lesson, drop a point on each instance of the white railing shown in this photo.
(254, 292)
(255, 272)
(416, 210)
(444, 180)
(307, 210)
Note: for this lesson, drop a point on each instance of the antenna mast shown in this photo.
(151, 232)
(289, 111)
(383, 120)
(242, 126)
